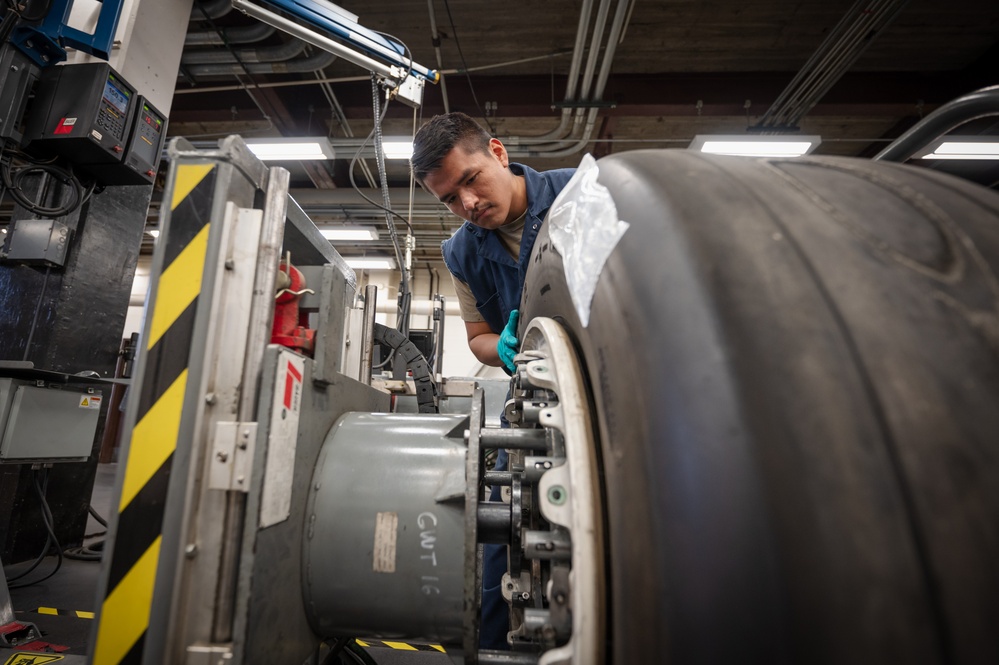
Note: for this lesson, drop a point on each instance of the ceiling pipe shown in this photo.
(844, 45)
(316, 62)
(582, 28)
(284, 51)
(436, 38)
(568, 147)
(862, 33)
(212, 9)
(978, 104)
(591, 61)
(243, 34)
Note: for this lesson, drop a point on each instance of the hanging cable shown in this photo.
(15, 166)
(41, 482)
(14, 7)
(228, 46)
(402, 322)
(454, 33)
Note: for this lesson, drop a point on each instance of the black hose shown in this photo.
(40, 489)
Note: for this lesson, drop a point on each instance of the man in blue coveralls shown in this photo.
(503, 205)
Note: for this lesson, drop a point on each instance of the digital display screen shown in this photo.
(151, 119)
(116, 97)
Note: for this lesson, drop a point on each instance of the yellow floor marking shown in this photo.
(84, 615)
(438, 647)
(362, 643)
(48, 610)
(402, 646)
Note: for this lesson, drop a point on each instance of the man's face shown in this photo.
(475, 186)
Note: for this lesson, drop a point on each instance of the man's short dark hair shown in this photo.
(437, 138)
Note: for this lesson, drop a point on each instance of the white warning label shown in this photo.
(90, 401)
(386, 530)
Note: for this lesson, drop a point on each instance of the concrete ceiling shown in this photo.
(681, 68)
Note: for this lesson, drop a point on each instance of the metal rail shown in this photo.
(978, 104)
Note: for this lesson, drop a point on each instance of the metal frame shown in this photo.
(390, 65)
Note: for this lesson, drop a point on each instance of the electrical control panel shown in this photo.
(46, 422)
(82, 112)
(145, 145)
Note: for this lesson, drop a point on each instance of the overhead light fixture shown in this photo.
(397, 148)
(370, 263)
(961, 147)
(154, 233)
(291, 149)
(755, 146)
(351, 233)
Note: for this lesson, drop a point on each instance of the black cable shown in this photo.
(454, 33)
(407, 52)
(93, 513)
(350, 174)
(38, 16)
(47, 518)
(239, 60)
(38, 309)
(92, 552)
(354, 650)
(338, 646)
(13, 175)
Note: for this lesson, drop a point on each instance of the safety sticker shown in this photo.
(65, 126)
(96, 134)
(90, 401)
(275, 503)
(25, 658)
(386, 530)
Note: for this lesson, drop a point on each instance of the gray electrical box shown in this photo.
(46, 423)
(38, 241)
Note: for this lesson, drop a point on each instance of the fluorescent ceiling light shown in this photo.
(310, 148)
(355, 233)
(755, 146)
(961, 147)
(397, 148)
(154, 233)
(370, 263)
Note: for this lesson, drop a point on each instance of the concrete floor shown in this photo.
(74, 588)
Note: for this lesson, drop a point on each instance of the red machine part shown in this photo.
(291, 326)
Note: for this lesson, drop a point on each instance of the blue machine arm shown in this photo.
(46, 43)
(341, 24)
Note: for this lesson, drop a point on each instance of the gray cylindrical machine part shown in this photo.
(264, 54)
(383, 554)
(313, 63)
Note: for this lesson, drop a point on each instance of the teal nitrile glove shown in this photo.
(508, 342)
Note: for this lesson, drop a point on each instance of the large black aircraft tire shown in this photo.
(794, 368)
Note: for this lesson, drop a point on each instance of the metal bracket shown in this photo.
(232, 456)
(46, 44)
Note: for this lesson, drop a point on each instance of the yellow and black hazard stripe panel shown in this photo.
(400, 646)
(55, 612)
(126, 606)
